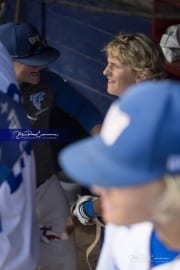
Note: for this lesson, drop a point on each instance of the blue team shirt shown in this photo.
(160, 254)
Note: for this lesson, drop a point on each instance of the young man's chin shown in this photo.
(34, 81)
(111, 91)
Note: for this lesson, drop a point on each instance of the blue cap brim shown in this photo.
(89, 162)
(46, 57)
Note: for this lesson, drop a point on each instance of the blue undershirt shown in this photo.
(160, 254)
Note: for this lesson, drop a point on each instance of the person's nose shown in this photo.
(106, 71)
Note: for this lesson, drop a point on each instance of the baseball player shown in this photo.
(134, 165)
(19, 230)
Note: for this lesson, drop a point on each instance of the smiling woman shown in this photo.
(132, 58)
(119, 76)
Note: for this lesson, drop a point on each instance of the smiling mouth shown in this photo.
(111, 82)
(35, 73)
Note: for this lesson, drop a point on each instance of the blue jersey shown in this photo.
(19, 240)
(135, 248)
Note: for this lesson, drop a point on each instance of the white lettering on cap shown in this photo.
(35, 39)
(114, 124)
(173, 163)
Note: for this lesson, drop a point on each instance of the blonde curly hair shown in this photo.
(140, 52)
(168, 207)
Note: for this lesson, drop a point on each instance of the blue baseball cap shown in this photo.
(139, 141)
(25, 44)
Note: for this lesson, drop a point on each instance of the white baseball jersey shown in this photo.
(19, 232)
(128, 248)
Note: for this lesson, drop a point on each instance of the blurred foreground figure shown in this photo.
(134, 165)
(19, 230)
